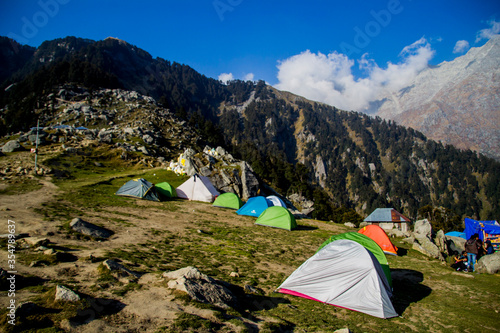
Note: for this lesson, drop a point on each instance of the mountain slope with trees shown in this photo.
(344, 161)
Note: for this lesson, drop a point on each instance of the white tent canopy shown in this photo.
(343, 274)
(198, 188)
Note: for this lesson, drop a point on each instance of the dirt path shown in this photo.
(20, 208)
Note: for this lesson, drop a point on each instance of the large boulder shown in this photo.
(89, 229)
(201, 287)
(489, 263)
(250, 183)
(440, 241)
(423, 228)
(12, 146)
(425, 246)
(455, 244)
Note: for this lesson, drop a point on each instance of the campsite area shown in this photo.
(150, 238)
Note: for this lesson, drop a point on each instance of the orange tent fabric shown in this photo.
(380, 237)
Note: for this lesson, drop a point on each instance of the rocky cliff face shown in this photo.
(457, 102)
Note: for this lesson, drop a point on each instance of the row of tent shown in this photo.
(270, 211)
(197, 188)
(349, 270)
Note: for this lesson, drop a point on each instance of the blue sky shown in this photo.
(269, 40)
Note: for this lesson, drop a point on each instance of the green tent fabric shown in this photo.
(166, 190)
(277, 217)
(138, 188)
(369, 244)
(228, 200)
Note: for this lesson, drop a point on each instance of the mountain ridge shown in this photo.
(456, 102)
(336, 158)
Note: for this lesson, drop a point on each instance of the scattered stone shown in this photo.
(113, 266)
(343, 330)
(66, 295)
(234, 274)
(251, 289)
(36, 241)
(350, 225)
(34, 263)
(89, 229)
(49, 252)
(201, 287)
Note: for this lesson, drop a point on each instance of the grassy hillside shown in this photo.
(153, 237)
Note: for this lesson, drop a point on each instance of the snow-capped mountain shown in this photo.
(456, 102)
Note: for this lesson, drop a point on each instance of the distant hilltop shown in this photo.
(456, 102)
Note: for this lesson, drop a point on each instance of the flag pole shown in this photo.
(36, 144)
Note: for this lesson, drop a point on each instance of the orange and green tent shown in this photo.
(378, 234)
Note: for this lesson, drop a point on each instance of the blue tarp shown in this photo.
(456, 234)
(472, 227)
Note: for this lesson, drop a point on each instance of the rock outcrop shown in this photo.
(201, 287)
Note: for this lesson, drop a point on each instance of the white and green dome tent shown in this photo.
(344, 274)
(277, 217)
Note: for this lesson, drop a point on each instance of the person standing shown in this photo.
(472, 247)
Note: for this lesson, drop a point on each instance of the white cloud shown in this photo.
(492, 31)
(329, 78)
(461, 46)
(225, 77)
(248, 77)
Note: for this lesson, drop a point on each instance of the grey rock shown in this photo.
(89, 229)
(65, 294)
(250, 183)
(425, 246)
(423, 228)
(37, 241)
(201, 287)
(113, 266)
(489, 263)
(455, 244)
(12, 146)
(440, 241)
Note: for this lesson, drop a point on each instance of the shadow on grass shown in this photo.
(248, 304)
(407, 288)
(402, 252)
(305, 227)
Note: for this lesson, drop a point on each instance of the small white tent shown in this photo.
(198, 188)
(343, 274)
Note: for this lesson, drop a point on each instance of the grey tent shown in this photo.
(138, 188)
(343, 274)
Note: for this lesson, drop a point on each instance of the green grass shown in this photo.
(21, 186)
(428, 294)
